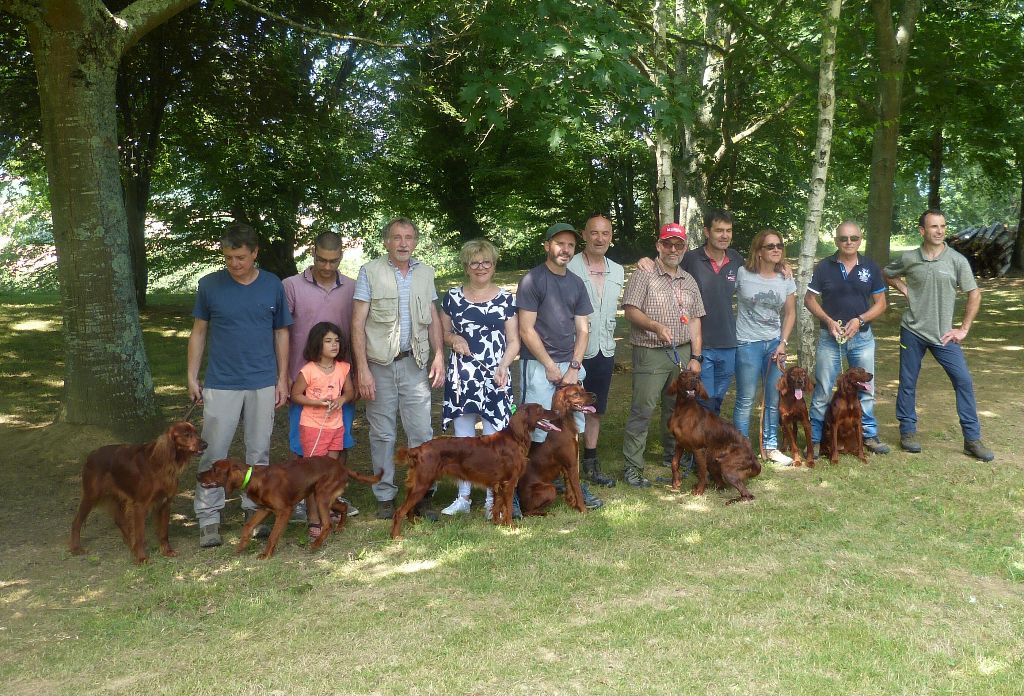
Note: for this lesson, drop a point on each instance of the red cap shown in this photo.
(672, 229)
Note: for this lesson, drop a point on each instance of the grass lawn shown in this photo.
(900, 577)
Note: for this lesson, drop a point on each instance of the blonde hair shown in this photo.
(478, 247)
(755, 246)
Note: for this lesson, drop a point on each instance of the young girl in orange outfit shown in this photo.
(321, 388)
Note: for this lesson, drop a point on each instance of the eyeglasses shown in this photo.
(773, 247)
(851, 238)
(478, 265)
(674, 246)
(326, 262)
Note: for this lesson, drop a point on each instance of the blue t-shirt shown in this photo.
(240, 337)
(557, 300)
(846, 295)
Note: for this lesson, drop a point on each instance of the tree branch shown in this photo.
(142, 16)
(752, 128)
(22, 10)
(320, 32)
(737, 12)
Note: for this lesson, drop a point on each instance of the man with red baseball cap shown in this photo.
(663, 307)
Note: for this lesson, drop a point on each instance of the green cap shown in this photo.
(559, 227)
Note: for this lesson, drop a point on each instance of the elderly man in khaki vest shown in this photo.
(395, 325)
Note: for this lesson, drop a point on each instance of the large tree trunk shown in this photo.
(107, 379)
(665, 187)
(77, 46)
(807, 327)
(935, 167)
(1018, 246)
(893, 48)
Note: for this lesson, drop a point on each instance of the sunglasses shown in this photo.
(476, 265)
(772, 247)
(844, 240)
(674, 246)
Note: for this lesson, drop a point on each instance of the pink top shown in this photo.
(321, 385)
(310, 304)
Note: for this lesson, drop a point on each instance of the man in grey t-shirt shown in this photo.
(933, 273)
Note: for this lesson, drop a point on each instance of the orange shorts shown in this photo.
(330, 440)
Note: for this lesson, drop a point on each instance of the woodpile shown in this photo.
(989, 249)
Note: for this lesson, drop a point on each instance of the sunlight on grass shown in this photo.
(988, 665)
(36, 325)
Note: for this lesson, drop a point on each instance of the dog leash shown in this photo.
(191, 408)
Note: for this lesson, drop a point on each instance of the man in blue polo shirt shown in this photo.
(241, 311)
(852, 294)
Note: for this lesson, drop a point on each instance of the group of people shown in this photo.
(321, 340)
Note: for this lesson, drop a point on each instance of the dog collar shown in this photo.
(248, 475)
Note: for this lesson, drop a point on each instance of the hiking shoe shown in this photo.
(460, 506)
(261, 531)
(424, 510)
(592, 470)
(209, 536)
(299, 513)
(817, 450)
(352, 509)
(779, 458)
(634, 478)
(910, 443)
(517, 512)
(978, 450)
(591, 501)
(385, 509)
(559, 485)
(875, 446)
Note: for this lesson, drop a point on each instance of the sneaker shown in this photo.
(634, 478)
(488, 509)
(591, 501)
(910, 443)
(517, 512)
(875, 446)
(779, 458)
(385, 509)
(559, 485)
(352, 509)
(262, 531)
(209, 536)
(460, 506)
(299, 513)
(976, 449)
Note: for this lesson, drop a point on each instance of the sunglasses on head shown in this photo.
(772, 247)
(851, 238)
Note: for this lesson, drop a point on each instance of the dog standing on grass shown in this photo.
(133, 479)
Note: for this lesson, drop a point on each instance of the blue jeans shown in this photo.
(860, 352)
(715, 374)
(951, 357)
(753, 360)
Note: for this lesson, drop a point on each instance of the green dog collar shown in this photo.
(248, 475)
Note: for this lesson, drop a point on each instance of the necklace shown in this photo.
(327, 368)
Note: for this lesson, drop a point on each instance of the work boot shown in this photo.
(209, 536)
(976, 449)
(385, 509)
(592, 470)
(817, 450)
(910, 443)
(634, 478)
(261, 531)
(591, 501)
(425, 510)
(875, 446)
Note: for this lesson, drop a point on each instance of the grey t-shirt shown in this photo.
(931, 290)
(557, 300)
(759, 303)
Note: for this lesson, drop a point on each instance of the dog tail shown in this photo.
(364, 478)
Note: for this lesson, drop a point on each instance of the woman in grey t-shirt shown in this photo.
(765, 315)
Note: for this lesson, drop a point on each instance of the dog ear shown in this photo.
(783, 384)
(673, 388)
(701, 391)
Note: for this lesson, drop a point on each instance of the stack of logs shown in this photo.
(989, 249)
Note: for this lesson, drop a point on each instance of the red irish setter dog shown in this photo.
(557, 456)
(793, 410)
(278, 487)
(841, 429)
(717, 446)
(134, 479)
(496, 461)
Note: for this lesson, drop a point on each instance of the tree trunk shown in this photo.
(893, 48)
(1018, 246)
(107, 379)
(665, 187)
(136, 199)
(807, 327)
(935, 168)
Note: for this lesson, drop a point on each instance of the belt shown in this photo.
(404, 354)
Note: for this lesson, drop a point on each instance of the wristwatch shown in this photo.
(575, 365)
(698, 358)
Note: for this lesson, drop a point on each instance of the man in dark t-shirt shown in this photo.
(553, 309)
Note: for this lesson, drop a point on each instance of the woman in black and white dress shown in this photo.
(479, 321)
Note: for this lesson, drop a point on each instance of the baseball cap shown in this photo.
(672, 229)
(559, 227)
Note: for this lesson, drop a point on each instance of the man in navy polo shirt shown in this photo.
(851, 289)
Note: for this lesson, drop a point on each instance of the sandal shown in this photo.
(313, 531)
